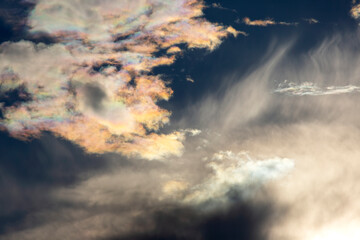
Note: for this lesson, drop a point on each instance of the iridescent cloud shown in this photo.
(94, 86)
(355, 10)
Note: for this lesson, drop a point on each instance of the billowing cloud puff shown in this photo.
(94, 86)
(237, 171)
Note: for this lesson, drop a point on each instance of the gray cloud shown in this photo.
(95, 96)
(30, 176)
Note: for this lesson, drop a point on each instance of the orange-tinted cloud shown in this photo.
(264, 23)
(94, 85)
(355, 10)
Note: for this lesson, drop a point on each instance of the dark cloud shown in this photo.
(14, 22)
(14, 97)
(94, 96)
(13, 18)
(244, 219)
(99, 67)
(30, 171)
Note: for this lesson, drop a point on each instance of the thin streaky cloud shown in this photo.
(310, 89)
(265, 22)
(219, 6)
(311, 20)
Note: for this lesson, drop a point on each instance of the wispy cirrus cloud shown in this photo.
(320, 134)
(310, 89)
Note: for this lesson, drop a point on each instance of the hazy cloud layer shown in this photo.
(139, 199)
(302, 149)
(319, 133)
(242, 163)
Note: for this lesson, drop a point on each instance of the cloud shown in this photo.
(237, 171)
(189, 79)
(308, 88)
(141, 21)
(99, 91)
(339, 230)
(32, 171)
(13, 16)
(242, 221)
(192, 132)
(264, 23)
(311, 20)
(219, 6)
(302, 175)
(137, 194)
(320, 134)
(355, 10)
(303, 150)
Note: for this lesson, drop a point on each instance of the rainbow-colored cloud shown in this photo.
(94, 85)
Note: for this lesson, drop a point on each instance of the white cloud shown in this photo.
(310, 89)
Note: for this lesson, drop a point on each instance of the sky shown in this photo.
(186, 119)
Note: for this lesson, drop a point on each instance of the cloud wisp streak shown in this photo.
(311, 20)
(266, 22)
(310, 89)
